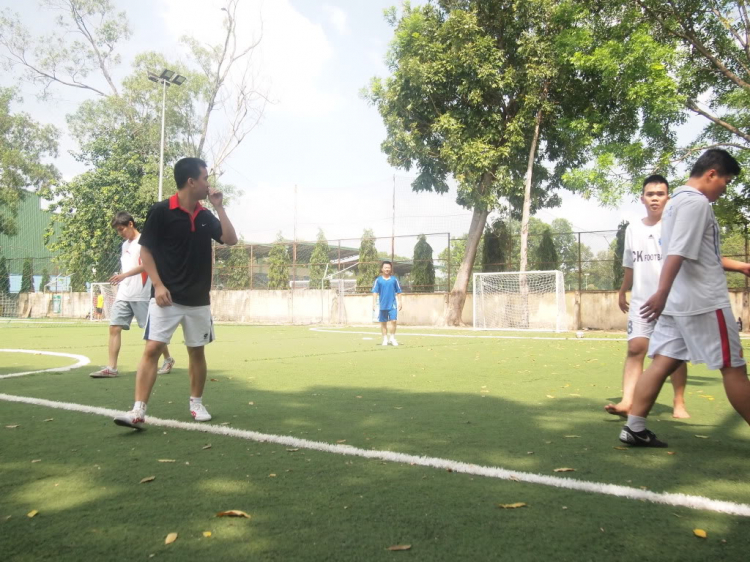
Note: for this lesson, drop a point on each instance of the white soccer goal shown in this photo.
(109, 292)
(512, 300)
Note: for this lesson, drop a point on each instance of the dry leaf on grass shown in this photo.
(166, 460)
(214, 380)
(565, 470)
(572, 436)
(341, 441)
(670, 452)
(550, 396)
(49, 419)
(233, 513)
(171, 537)
(700, 533)
(206, 534)
(396, 547)
(12, 426)
(292, 450)
(511, 505)
(32, 513)
(702, 436)
(148, 479)
(272, 475)
(622, 448)
(207, 446)
(36, 460)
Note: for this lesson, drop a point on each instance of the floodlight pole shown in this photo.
(161, 148)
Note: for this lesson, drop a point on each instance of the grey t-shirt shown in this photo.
(689, 229)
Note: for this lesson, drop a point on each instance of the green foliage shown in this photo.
(369, 264)
(4, 277)
(279, 260)
(545, 257)
(27, 276)
(24, 144)
(319, 259)
(457, 253)
(617, 270)
(234, 271)
(423, 272)
(45, 280)
(497, 247)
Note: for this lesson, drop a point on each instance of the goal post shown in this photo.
(108, 293)
(515, 300)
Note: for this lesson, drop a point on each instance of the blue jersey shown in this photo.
(387, 289)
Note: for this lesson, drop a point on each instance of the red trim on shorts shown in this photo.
(724, 339)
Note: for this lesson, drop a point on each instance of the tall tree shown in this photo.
(423, 272)
(27, 276)
(278, 264)
(498, 247)
(24, 147)
(545, 256)
(45, 280)
(319, 260)
(4, 277)
(617, 270)
(369, 263)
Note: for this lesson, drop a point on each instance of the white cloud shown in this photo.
(337, 18)
(291, 57)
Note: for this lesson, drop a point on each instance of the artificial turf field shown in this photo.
(520, 404)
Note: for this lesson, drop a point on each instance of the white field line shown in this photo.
(677, 500)
(81, 361)
(400, 334)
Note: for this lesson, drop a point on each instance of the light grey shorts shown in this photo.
(122, 313)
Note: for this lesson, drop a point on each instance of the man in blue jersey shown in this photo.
(384, 292)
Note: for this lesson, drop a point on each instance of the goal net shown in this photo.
(532, 300)
(101, 307)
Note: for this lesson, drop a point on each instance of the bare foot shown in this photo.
(680, 412)
(617, 410)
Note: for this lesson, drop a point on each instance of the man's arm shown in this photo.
(736, 266)
(161, 293)
(627, 284)
(654, 306)
(120, 277)
(228, 235)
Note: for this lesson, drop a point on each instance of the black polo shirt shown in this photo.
(181, 245)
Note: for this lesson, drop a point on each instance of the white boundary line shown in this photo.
(400, 334)
(677, 500)
(81, 360)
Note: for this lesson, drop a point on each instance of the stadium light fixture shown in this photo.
(166, 78)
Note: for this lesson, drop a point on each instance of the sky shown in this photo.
(318, 138)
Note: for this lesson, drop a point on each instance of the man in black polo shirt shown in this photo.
(176, 253)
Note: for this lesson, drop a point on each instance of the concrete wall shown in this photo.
(596, 310)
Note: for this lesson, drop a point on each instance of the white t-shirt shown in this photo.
(642, 254)
(690, 230)
(135, 287)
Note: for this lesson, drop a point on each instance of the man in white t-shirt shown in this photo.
(691, 303)
(641, 260)
(133, 296)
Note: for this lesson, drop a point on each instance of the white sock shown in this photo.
(636, 423)
(194, 400)
(140, 406)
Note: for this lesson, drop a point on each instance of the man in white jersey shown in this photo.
(133, 295)
(641, 260)
(691, 303)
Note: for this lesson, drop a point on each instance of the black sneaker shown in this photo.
(643, 438)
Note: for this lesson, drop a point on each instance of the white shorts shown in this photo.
(197, 324)
(122, 313)
(638, 327)
(711, 338)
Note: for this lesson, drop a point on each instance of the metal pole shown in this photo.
(579, 261)
(161, 151)
(393, 223)
(450, 288)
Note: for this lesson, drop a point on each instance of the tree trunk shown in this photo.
(523, 281)
(458, 294)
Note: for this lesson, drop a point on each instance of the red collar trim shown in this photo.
(174, 203)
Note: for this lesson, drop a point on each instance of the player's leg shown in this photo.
(115, 342)
(197, 326)
(168, 363)
(121, 316)
(679, 382)
(161, 324)
(631, 372)
(383, 319)
(737, 387)
(392, 319)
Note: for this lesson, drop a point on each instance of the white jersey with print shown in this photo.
(642, 254)
(690, 230)
(136, 287)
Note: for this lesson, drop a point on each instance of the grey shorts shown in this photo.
(122, 313)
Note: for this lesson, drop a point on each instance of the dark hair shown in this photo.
(716, 159)
(187, 168)
(654, 178)
(386, 262)
(122, 218)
